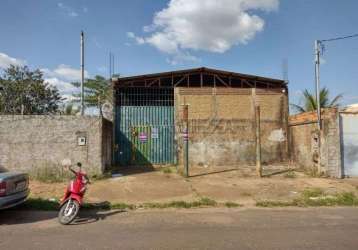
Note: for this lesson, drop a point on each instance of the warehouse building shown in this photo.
(150, 121)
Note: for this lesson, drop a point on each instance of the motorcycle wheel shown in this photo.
(68, 212)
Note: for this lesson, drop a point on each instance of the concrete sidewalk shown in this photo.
(157, 186)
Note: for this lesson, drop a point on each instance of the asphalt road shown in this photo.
(318, 228)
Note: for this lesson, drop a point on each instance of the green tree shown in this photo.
(97, 91)
(310, 103)
(23, 91)
(70, 109)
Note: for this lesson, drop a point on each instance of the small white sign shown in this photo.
(81, 141)
(155, 133)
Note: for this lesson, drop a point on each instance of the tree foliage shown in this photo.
(97, 91)
(310, 103)
(23, 91)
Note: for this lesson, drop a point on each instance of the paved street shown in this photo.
(313, 228)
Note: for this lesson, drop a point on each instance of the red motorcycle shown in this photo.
(73, 198)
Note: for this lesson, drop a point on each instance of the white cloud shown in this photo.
(63, 86)
(6, 61)
(208, 25)
(139, 40)
(67, 10)
(65, 72)
(61, 77)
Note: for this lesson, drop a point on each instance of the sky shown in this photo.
(246, 36)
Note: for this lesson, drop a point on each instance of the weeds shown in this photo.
(103, 176)
(230, 204)
(203, 202)
(290, 174)
(40, 204)
(315, 198)
(49, 174)
(47, 205)
(168, 170)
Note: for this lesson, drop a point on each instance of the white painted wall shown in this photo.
(349, 132)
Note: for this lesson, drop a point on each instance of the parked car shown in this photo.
(14, 189)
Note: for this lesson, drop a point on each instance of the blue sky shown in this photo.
(45, 34)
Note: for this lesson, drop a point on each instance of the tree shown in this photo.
(69, 109)
(310, 103)
(23, 91)
(97, 91)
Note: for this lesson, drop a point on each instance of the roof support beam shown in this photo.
(247, 83)
(178, 82)
(201, 79)
(152, 82)
(222, 81)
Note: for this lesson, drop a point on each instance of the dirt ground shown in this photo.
(158, 186)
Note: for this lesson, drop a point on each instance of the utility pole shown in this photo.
(317, 79)
(82, 73)
(110, 65)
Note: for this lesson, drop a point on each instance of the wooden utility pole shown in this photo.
(258, 142)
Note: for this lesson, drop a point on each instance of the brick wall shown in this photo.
(28, 142)
(222, 125)
(304, 139)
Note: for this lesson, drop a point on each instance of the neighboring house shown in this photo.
(31, 142)
(150, 118)
(349, 139)
(337, 153)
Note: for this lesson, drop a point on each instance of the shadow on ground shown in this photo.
(133, 170)
(91, 216)
(93, 212)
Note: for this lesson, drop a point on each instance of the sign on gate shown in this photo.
(143, 137)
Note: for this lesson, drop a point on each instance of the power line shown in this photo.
(339, 38)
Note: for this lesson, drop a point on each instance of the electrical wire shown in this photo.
(339, 38)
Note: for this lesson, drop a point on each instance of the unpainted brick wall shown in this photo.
(303, 146)
(222, 125)
(35, 141)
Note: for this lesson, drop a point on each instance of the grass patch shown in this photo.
(290, 174)
(122, 206)
(231, 204)
(48, 205)
(98, 177)
(275, 203)
(312, 192)
(315, 198)
(203, 202)
(168, 170)
(40, 204)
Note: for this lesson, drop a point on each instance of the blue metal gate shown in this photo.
(144, 129)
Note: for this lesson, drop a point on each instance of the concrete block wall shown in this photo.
(222, 125)
(35, 141)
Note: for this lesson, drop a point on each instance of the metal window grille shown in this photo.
(136, 96)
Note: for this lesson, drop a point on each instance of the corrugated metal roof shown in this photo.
(198, 70)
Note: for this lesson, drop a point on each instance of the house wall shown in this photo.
(349, 142)
(222, 125)
(304, 142)
(30, 142)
